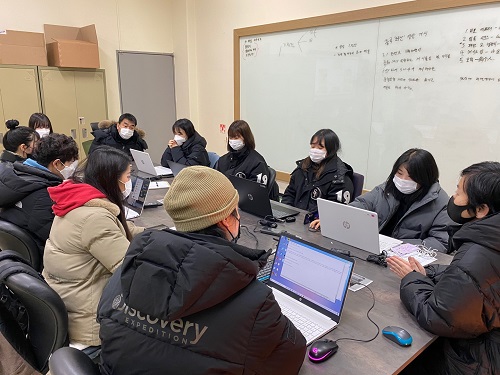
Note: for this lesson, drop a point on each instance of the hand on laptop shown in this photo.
(402, 267)
(314, 224)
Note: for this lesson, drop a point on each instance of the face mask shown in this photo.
(43, 132)
(236, 144)
(405, 186)
(235, 239)
(128, 188)
(455, 212)
(68, 170)
(317, 156)
(179, 140)
(126, 133)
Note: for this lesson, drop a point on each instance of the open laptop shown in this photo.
(310, 285)
(254, 199)
(176, 167)
(353, 226)
(145, 164)
(134, 204)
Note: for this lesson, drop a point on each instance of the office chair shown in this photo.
(94, 125)
(357, 182)
(15, 238)
(213, 157)
(48, 318)
(274, 190)
(71, 361)
(86, 146)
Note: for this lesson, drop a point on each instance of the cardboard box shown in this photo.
(24, 48)
(72, 47)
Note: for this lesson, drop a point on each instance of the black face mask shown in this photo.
(455, 212)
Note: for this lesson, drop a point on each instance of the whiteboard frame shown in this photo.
(385, 11)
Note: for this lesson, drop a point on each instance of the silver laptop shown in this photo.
(145, 164)
(134, 204)
(310, 284)
(353, 226)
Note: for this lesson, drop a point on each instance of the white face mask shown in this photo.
(126, 133)
(317, 156)
(128, 188)
(43, 132)
(68, 170)
(405, 186)
(179, 140)
(236, 144)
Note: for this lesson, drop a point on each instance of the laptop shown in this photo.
(145, 164)
(176, 167)
(353, 226)
(254, 199)
(310, 284)
(134, 204)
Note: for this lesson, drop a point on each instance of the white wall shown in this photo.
(121, 24)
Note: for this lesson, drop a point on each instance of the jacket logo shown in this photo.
(316, 193)
(241, 175)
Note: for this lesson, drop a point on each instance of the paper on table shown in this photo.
(358, 282)
(159, 185)
(406, 250)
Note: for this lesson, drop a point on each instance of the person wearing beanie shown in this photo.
(188, 302)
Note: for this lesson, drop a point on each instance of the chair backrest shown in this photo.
(15, 238)
(213, 157)
(86, 146)
(72, 361)
(357, 180)
(48, 318)
(272, 178)
(94, 125)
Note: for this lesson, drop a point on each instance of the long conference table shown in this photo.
(379, 356)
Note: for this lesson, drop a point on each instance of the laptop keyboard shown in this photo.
(309, 329)
(277, 213)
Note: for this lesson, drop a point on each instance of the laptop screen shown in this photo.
(137, 198)
(313, 274)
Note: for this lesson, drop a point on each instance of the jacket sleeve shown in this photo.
(105, 240)
(451, 307)
(291, 191)
(368, 201)
(438, 233)
(134, 229)
(341, 192)
(198, 155)
(167, 156)
(41, 218)
(273, 331)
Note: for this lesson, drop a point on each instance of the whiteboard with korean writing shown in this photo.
(428, 80)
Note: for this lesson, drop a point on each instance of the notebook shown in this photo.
(254, 199)
(310, 285)
(145, 164)
(134, 204)
(353, 226)
(176, 167)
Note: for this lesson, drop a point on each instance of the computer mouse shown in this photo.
(321, 350)
(398, 335)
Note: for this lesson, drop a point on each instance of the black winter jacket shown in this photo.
(190, 304)
(25, 201)
(191, 152)
(111, 137)
(461, 302)
(335, 184)
(10, 157)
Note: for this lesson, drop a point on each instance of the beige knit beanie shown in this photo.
(199, 197)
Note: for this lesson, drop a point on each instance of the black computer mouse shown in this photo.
(321, 350)
(398, 335)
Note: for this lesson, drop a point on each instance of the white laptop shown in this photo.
(145, 164)
(134, 204)
(310, 285)
(353, 226)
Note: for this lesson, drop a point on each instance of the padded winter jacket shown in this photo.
(111, 137)
(190, 304)
(191, 152)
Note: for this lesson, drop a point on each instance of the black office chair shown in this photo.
(272, 185)
(71, 361)
(357, 180)
(15, 238)
(47, 315)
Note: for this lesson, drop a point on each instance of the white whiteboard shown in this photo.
(428, 80)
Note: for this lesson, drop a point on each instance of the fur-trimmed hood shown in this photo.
(105, 124)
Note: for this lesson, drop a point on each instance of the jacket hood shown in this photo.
(196, 138)
(169, 274)
(105, 124)
(483, 232)
(70, 195)
(18, 181)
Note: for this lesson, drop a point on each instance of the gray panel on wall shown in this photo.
(147, 91)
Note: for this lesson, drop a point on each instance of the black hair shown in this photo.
(185, 125)
(482, 186)
(241, 128)
(17, 135)
(128, 116)
(422, 169)
(102, 169)
(332, 145)
(215, 230)
(55, 146)
(40, 120)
